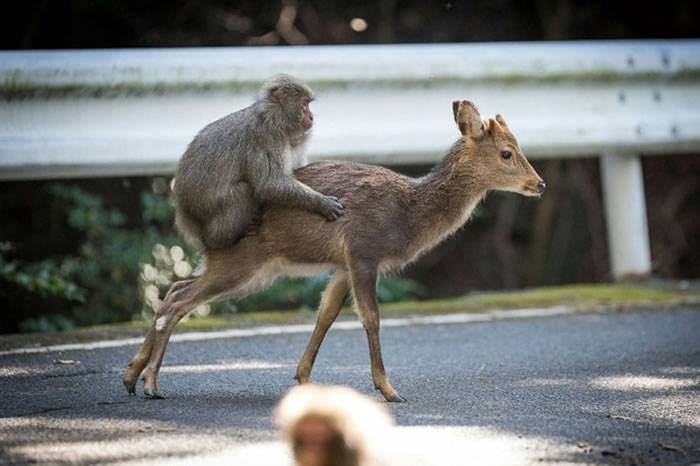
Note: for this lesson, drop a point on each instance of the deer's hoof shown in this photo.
(152, 393)
(130, 386)
(395, 398)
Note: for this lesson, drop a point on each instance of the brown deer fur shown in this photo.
(389, 221)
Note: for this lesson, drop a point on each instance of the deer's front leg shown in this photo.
(364, 287)
(331, 304)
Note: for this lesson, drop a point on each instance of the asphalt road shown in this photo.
(620, 388)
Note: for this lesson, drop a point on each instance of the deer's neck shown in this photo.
(446, 197)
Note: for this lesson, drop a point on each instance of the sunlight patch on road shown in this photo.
(681, 370)
(405, 446)
(85, 440)
(138, 450)
(452, 445)
(253, 454)
(542, 382)
(642, 382)
(679, 409)
(15, 371)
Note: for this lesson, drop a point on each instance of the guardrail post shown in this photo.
(625, 214)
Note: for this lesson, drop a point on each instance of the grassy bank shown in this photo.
(585, 298)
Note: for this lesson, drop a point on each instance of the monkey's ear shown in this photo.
(468, 119)
(274, 92)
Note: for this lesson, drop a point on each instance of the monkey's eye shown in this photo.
(506, 154)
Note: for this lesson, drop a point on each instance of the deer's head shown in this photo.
(492, 152)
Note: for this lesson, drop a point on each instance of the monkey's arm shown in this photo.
(290, 192)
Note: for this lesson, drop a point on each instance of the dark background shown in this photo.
(512, 242)
(106, 23)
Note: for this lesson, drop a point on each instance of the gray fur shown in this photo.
(239, 163)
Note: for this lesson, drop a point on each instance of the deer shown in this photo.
(390, 220)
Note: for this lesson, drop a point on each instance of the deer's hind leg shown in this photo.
(239, 281)
(331, 304)
(140, 359)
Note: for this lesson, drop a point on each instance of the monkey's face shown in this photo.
(317, 442)
(307, 118)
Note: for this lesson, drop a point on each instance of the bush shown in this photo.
(121, 272)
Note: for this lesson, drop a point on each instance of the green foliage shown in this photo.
(47, 323)
(120, 273)
(392, 289)
(43, 278)
(109, 261)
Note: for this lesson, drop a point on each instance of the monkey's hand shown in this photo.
(253, 227)
(331, 208)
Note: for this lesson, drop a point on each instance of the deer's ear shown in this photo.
(501, 121)
(496, 127)
(468, 119)
(455, 110)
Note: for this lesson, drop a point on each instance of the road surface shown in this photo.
(615, 388)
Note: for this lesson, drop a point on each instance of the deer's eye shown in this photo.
(506, 154)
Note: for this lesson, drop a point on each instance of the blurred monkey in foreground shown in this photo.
(333, 426)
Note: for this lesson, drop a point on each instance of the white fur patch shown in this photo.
(160, 323)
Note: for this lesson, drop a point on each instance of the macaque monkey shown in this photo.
(333, 426)
(238, 164)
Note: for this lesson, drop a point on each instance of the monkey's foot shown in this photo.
(252, 230)
(253, 227)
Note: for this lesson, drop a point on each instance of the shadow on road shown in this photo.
(561, 391)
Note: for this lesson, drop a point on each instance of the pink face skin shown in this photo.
(308, 117)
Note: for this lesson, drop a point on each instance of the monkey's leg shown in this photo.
(331, 304)
(140, 359)
(229, 224)
(364, 287)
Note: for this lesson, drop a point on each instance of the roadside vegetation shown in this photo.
(120, 269)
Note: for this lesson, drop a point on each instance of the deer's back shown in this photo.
(376, 222)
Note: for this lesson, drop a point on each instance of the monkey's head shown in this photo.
(292, 98)
(328, 425)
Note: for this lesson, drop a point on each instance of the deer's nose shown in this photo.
(540, 186)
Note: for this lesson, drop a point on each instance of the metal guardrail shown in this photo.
(132, 112)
